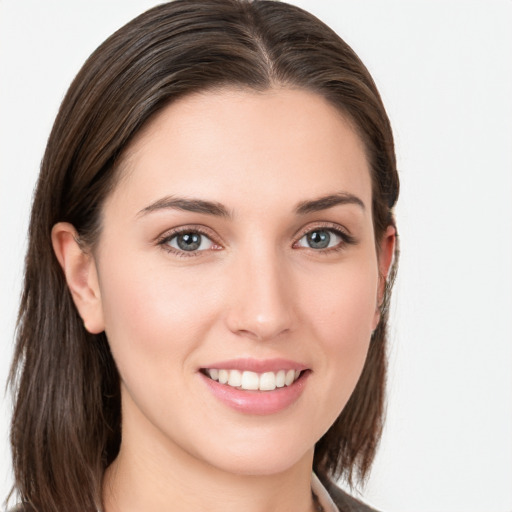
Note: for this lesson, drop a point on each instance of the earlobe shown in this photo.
(79, 269)
(386, 253)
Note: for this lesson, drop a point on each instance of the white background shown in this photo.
(445, 72)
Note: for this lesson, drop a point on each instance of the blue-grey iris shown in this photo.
(318, 239)
(188, 241)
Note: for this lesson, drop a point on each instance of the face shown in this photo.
(238, 279)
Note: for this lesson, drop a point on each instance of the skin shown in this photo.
(254, 289)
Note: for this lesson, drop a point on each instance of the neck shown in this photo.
(141, 486)
(150, 473)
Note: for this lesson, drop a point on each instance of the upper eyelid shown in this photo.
(203, 230)
(333, 226)
(347, 238)
(216, 239)
(163, 240)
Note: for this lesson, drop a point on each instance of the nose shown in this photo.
(260, 297)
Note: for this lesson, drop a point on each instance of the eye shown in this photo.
(188, 241)
(321, 239)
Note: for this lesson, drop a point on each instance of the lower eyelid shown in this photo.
(203, 237)
(164, 241)
(338, 232)
(331, 231)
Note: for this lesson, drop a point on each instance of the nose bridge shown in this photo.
(260, 295)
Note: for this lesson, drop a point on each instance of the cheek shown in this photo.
(153, 312)
(155, 320)
(342, 303)
(341, 317)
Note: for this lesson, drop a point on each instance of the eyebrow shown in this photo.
(219, 210)
(189, 205)
(326, 202)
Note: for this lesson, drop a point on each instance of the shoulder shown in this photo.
(344, 501)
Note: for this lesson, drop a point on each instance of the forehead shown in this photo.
(232, 143)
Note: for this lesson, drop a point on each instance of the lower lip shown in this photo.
(258, 402)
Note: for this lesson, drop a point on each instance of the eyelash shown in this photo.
(163, 241)
(346, 238)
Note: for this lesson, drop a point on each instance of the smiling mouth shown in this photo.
(252, 381)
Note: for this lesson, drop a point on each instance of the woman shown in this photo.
(211, 251)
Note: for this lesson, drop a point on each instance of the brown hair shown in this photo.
(66, 424)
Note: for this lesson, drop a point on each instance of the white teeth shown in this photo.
(250, 380)
(253, 381)
(290, 377)
(267, 381)
(235, 378)
(280, 378)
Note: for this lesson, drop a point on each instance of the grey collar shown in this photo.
(321, 497)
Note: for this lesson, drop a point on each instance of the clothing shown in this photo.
(320, 493)
(332, 500)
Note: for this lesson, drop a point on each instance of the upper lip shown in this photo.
(257, 365)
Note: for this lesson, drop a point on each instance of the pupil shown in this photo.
(189, 241)
(319, 239)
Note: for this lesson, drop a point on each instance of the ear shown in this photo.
(81, 276)
(385, 259)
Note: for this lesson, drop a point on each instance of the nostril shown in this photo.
(262, 333)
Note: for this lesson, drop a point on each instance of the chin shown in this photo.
(261, 459)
